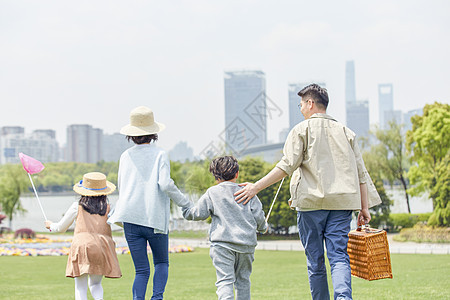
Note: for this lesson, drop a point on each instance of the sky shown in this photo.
(92, 62)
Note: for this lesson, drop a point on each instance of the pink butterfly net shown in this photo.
(31, 165)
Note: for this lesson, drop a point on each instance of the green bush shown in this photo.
(424, 234)
(405, 220)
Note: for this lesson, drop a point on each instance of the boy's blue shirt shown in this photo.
(233, 225)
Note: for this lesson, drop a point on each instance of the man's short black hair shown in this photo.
(316, 93)
(224, 167)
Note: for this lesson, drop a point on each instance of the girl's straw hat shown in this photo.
(142, 122)
(94, 184)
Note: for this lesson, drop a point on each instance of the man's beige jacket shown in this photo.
(326, 166)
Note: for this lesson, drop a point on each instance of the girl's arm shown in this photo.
(66, 220)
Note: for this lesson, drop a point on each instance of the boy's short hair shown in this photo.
(316, 93)
(224, 167)
(143, 139)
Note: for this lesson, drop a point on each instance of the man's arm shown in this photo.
(251, 189)
(364, 214)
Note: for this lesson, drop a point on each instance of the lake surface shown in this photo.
(56, 205)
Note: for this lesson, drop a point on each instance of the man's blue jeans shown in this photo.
(332, 227)
(137, 237)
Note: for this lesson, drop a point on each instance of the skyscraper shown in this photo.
(245, 110)
(385, 104)
(84, 143)
(407, 118)
(41, 144)
(356, 111)
(350, 91)
(113, 146)
(295, 116)
(181, 152)
(358, 117)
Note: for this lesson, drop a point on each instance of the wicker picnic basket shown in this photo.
(368, 250)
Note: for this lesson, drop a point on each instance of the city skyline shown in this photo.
(357, 112)
(245, 110)
(93, 62)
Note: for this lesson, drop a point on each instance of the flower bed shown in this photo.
(43, 246)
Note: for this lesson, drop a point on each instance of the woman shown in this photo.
(145, 190)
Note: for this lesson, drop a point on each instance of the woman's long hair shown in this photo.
(95, 205)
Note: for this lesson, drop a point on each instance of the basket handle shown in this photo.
(366, 228)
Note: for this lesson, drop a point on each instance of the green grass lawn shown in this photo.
(276, 275)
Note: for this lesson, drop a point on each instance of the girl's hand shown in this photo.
(47, 224)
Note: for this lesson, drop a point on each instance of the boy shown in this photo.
(233, 229)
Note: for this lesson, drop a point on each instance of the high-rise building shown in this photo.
(283, 134)
(358, 117)
(356, 111)
(181, 152)
(407, 118)
(45, 132)
(350, 90)
(245, 110)
(392, 115)
(12, 130)
(295, 115)
(113, 146)
(84, 143)
(385, 104)
(41, 145)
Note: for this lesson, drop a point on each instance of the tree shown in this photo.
(282, 217)
(429, 143)
(198, 178)
(391, 156)
(13, 181)
(380, 213)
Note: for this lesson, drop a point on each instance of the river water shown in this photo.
(56, 205)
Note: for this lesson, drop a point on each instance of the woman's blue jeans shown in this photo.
(137, 237)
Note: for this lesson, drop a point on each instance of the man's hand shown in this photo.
(251, 189)
(363, 217)
(248, 192)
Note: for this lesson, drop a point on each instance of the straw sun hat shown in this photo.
(94, 184)
(142, 122)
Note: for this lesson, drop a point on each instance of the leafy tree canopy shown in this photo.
(429, 143)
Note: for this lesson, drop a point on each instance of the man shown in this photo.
(328, 182)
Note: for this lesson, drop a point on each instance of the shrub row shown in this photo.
(424, 234)
(396, 222)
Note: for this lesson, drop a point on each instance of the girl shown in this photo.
(93, 251)
(145, 190)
